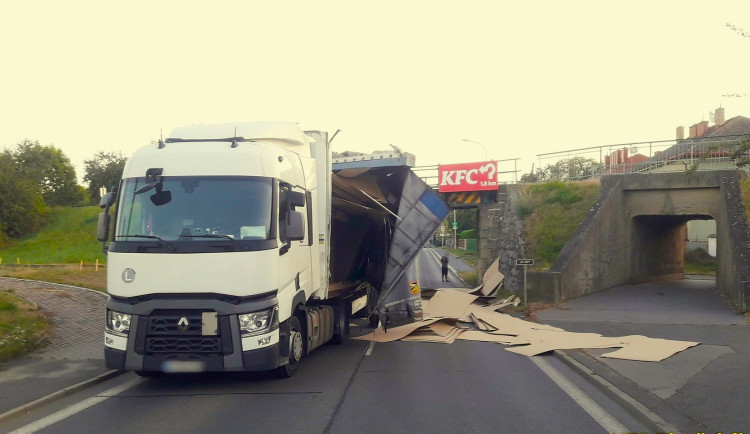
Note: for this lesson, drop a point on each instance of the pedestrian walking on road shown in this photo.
(444, 270)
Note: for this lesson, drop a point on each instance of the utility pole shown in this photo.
(455, 231)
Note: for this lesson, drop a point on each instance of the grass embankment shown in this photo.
(470, 258)
(551, 213)
(68, 237)
(67, 275)
(22, 327)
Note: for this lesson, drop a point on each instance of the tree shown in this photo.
(21, 203)
(103, 170)
(569, 169)
(50, 170)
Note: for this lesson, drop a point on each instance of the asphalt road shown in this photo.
(429, 272)
(395, 387)
(399, 387)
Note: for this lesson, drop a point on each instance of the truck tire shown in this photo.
(296, 349)
(342, 318)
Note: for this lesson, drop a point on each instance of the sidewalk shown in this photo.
(702, 389)
(75, 352)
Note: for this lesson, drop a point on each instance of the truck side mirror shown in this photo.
(295, 228)
(102, 229)
(107, 200)
(296, 199)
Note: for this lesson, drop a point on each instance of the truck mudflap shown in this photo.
(420, 213)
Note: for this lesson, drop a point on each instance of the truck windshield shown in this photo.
(196, 209)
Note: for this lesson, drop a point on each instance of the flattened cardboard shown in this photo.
(474, 335)
(648, 349)
(492, 278)
(395, 333)
(450, 304)
(542, 341)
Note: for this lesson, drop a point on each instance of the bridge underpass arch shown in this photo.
(635, 233)
(659, 245)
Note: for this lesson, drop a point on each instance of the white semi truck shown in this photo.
(235, 247)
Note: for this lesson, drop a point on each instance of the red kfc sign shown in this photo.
(468, 176)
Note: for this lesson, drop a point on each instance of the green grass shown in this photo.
(465, 255)
(551, 213)
(22, 327)
(745, 188)
(470, 277)
(68, 237)
(88, 277)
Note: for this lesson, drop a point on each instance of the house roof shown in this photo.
(731, 129)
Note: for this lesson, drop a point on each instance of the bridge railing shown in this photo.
(708, 153)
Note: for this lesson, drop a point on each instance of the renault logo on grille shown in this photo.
(183, 325)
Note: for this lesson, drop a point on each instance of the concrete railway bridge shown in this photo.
(634, 233)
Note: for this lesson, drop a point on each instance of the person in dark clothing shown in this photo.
(444, 270)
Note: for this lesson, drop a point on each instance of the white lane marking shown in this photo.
(368, 351)
(77, 408)
(600, 415)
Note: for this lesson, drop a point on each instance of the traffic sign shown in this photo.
(524, 262)
(455, 225)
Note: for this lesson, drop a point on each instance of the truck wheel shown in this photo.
(296, 349)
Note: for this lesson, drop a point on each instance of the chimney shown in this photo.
(693, 129)
(680, 133)
(719, 116)
(702, 127)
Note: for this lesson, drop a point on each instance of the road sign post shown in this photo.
(524, 263)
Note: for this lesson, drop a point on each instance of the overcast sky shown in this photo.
(522, 78)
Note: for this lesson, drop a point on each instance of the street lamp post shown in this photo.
(483, 148)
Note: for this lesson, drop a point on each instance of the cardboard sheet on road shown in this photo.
(492, 278)
(448, 304)
(395, 333)
(648, 349)
(528, 338)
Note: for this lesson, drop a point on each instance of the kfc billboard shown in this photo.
(468, 176)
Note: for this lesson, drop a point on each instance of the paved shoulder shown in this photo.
(75, 350)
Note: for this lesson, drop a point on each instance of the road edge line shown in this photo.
(635, 407)
(62, 393)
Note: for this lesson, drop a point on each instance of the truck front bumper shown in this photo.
(155, 343)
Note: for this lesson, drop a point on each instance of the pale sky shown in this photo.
(522, 78)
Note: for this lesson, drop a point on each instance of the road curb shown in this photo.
(638, 410)
(18, 411)
(93, 291)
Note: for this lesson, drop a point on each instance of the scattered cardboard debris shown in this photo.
(527, 338)
(395, 333)
(448, 304)
(492, 279)
(648, 349)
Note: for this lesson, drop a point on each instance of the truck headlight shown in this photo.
(255, 323)
(118, 322)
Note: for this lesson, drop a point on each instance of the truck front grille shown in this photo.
(168, 324)
(164, 332)
(173, 344)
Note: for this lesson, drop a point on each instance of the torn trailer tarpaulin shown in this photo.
(381, 217)
(420, 213)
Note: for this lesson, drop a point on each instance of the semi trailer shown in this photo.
(237, 247)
